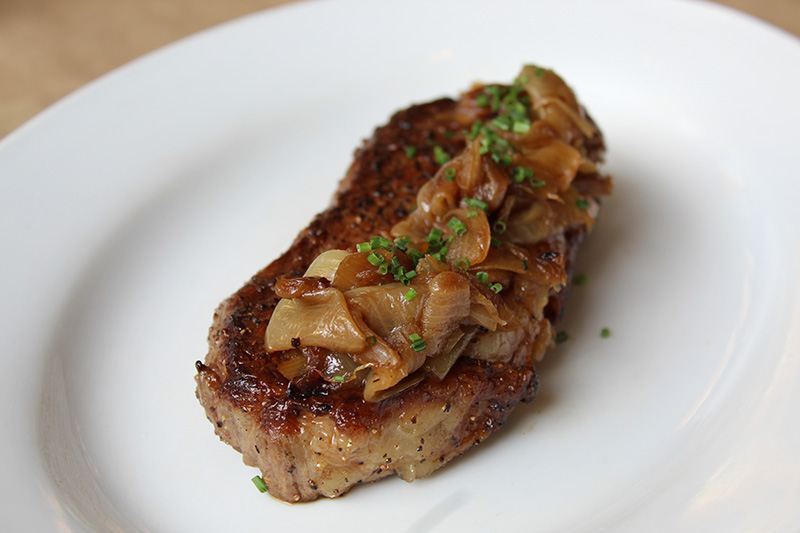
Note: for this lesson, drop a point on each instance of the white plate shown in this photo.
(131, 208)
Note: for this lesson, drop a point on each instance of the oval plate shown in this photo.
(134, 206)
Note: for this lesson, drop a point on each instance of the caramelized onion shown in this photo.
(559, 160)
(474, 245)
(325, 265)
(441, 364)
(483, 312)
(355, 270)
(384, 307)
(447, 304)
(322, 319)
(376, 395)
(503, 258)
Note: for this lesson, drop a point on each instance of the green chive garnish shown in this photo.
(411, 151)
(582, 203)
(401, 243)
(417, 342)
(450, 174)
(458, 227)
(410, 294)
(383, 269)
(259, 483)
(434, 237)
(500, 226)
(605, 333)
(377, 242)
(375, 259)
(338, 379)
(483, 277)
(522, 173)
(474, 202)
(482, 100)
(538, 184)
(496, 287)
(363, 247)
(440, 155)
(521, 126)
(525, 264)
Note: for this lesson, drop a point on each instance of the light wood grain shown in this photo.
(48, 48)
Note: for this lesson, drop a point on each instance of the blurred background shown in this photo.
(48, 48)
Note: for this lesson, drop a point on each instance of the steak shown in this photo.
(315, 438)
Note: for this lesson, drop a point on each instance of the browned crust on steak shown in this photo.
(274, 424)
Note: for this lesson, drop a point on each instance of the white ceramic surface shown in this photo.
(132, 207)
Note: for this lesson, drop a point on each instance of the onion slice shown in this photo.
(322, 319)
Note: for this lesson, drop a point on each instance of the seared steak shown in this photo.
(311, 437)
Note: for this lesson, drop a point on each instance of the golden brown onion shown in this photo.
(325, 265)
(355, 270)
(472, 246)
(384, 307)
(455, 345)
(559, 160)
(322, 319)
(483, 312)
(445, 307)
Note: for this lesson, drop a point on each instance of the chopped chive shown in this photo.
(401, 243)
(434, 237)
(482, 100)
(411, 151)
(539, 72)
(462, 263)
(496, 287)
(458, 227)
(582, 203)
(375, 259)
(497, 243)
(472, 213)
(580, 279)
(338, 379)
(483, 277)
(417, 342)
(521, 174)
(605, 333)
(441, 254)
(260, 485)
(561, 337)
(502, 123)
(500, 226)
(383, 269)
(363, 247)
(440, 155)
(475, 130)
(474, 202)
(538, 184)
(377, 242)
(521, 126)
(411, 274)
(450, 174)
(410, 294)
(525, 264)
(372, 339)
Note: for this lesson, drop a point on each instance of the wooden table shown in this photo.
(49, 48)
